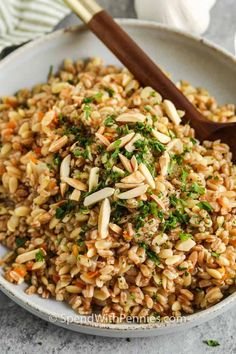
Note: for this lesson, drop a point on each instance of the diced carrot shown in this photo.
(37, 150)
(29, 265)
(33, 159)
(232, 242)
(20, 270)
(11, 125)
(92, 274)
(11, 101)
(40, 115)
(2, 170)
(52, 184)
(55, 278)
(44, 246)
(75, 250)
(80, 283)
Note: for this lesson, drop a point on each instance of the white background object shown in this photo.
(192, 16)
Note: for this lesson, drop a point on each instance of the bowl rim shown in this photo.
(192, 319)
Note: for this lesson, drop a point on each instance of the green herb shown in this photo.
(194, 141)
(181, 268)
(132, 296)
(156, 145)
(153, 93)
(143, 129)
(211, 342)
(57, 159)
(150, 254)
(184, 236)
(61, 118)
(171, 223)
(109, 121)
(196, 188)
(183, 177)
(205, 205)
(182, 217)
(88, 99)
(82, 153)
(147, 108)
(39, 257)
(64, 209)
(83, 231)
(80, 243)
(198, 290)
(20, 241)
(174, 201)
(110, 91)
(215, 254)
(87, 109)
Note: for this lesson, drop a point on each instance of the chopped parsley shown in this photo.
(109, 121)
(20, 241)
(61, 118)
(87, 110)
(215, 254)
(183, 178)
(184, 236)
(211, 342)
(150, 254)
(57, 160)
(193, 141)
(64, 209)
(196, 188)
(110, 91)
(181, 268)
(205, 205)
(39, 257)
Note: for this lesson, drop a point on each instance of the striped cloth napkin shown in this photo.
(22, 20)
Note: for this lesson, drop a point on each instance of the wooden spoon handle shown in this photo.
(137, 61)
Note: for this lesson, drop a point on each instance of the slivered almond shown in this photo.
(93, 178)
(130, 146)
(65, 167)
(103, 139)
(115, 228)
(118, 170)
(164, 139)
(58, 144)
(28, 256)
(104, 218)
(164, 163)
(147, 174)
(171, 112)
(134, 163)
(133, 193)
(126, 163)
(131, 117)
(122, 142)
(158, 201)
(75, 195)
(135, 177)
(63, 188)
(128, 185)
(98, 196)
(75, 183)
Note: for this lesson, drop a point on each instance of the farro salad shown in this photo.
(108, 201)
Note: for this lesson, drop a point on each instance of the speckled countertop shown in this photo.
(21, 332)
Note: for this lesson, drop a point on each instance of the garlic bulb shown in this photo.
(192, 16)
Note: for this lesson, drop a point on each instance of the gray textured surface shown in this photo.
(20, 332)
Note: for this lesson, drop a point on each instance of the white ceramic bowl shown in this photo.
(182, 55)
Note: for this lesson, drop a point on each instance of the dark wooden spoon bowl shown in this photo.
(147, 72)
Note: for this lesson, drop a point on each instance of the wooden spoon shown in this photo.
(147, 72)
